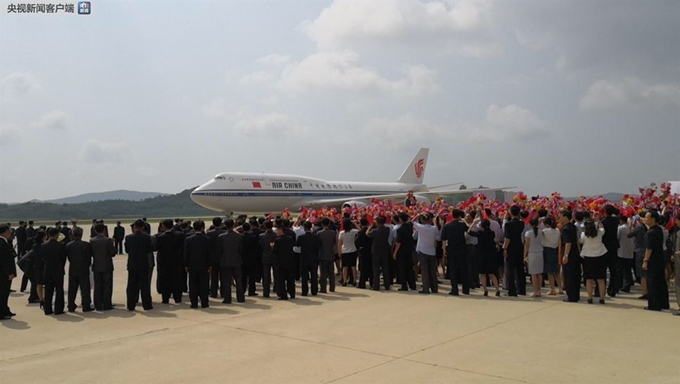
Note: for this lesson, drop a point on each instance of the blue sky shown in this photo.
(574, 96)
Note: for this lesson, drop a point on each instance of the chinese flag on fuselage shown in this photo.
(256, 184)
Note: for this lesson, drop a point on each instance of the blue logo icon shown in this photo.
(84, 8)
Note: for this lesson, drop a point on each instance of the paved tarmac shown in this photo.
(350, 336)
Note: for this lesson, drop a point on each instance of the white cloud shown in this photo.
(255, 124)
(404, 131)
(56, 120)
(274, 59)
(96, 152)
(629, 93)
(8, 137)
(347, 21)
(511, 122)
(19, 83)
(339, 71)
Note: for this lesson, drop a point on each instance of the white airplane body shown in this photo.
(249, 192)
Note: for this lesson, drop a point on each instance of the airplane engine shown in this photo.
(351, 203)
(422, 199)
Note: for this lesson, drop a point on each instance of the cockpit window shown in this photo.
(220, 178)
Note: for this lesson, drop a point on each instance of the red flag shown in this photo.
(449, 217)
(370, 219)
(484, 215)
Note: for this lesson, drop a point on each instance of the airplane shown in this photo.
(233, 192)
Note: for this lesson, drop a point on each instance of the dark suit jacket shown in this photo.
(7, 266)
(119, 233)
(66, 231)
(329, 240)
(283, 251)
(103, 252)
(230, 245)
(169, 246)
(214, 247)
(265, 239)
(381, 244)
(310, 247)
(251, 250)
(197, 252)
(54, 258)
(79, 255)
(138, 246)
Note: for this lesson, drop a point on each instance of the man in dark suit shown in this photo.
(285, 264)
(103, 253)
(329, 239)
(93, 233)
(20, 235)
(403, 253)
(197, 265)
(66, 231)
(169, 246)
(380, 251)
(79, 255)
(455, 251)
(215, 255)
(230, 246)
(138, 245)
(8, 271)
(310, 247)
(268, 261)
(53, 254)
(252, 267)
(118, 237)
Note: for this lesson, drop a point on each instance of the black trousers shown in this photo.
(428, 269)
(572, 280)
(307, 269)
(296, 265)
(267, 270)
(458, 270)
(103, 290)
(5, 285)
(199, 286)
(327, 268)
(251, 275)
(623, 278)
(657, 289)
(227, 274)
(119, 246)
(54, 285)
(613, 266)
(381, 263)
(172, 281)
(81, 282)
(24, 282)
(285, 281)
(515, 276)
(138, 282)
(365, 270)
(407, 276)
(473, 267)
(215, 279)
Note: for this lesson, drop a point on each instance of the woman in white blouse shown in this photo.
(348, 250)
(551, 243)
(594, 262)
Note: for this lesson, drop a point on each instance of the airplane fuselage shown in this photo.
(244, 192)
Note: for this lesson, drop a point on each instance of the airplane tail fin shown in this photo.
(415, 172)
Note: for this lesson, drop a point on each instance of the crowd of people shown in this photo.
(474, 247)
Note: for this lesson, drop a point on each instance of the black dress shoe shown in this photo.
(424, 292)
(569, 301)
(34, 301)
(590, 301)
(88, 309)
(12, 291)
(226, 301)
(59, 313)
(601, 301)
(453, 293)
(643, 297)
(71, 310)
(10, 314)
(193, 306)
(403, 289)
(283, 298)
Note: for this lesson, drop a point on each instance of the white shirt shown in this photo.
(299, 231)
(348, 238)
(592, 246)
(626, 245)
(551, 237)
(427, 238)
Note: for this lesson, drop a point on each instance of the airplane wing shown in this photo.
(432, 195)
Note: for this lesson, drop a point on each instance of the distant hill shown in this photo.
(120, 194)
(614, 197)
(169, 206)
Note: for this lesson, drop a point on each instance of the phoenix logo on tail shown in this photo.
(419, 168)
